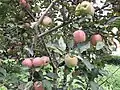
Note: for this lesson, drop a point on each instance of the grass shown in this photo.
(112, 80)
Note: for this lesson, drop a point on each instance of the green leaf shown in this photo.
(95, 86)
(47, 85)
(76, 25)
(99, 45)
(3, 88)
(52, 75)
(29, 50)
(62, 44)
(87, 63)
(84, 46)
(3, 71)
(113, 19)
(54, 48)
(103, 72)
(29, 85)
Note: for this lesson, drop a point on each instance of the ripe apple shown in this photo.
(96, 38)
(27, 62)
(79, 36)
(24, 3)
(38, 86)
(85, 8)
(46, 21)
(37, 62)
(71, 61)
(46, 60)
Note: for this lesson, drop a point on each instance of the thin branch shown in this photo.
(102, 7)
(41, 18)
(36, 26)
(30, 14)
(48, 53)
(57, 27)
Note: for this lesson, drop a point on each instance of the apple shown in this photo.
(79, 36)
(27, 62)
(26, 25)
(85, 8)
(71, 61)
(46, 60)
(24, 3)
(38, 86)
(96, 38)
(38, 62)
(46, 21)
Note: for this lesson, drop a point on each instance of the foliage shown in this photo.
(23, 36)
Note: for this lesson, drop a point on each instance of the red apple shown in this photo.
(38, 86)
(37, 62)
(79, 36)
(46, 60)
(96, 38)
(24, 3)
(27, 62)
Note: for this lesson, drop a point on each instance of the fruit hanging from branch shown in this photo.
(96, 38)
(24, 3)
(71, 61)
(85, 8)
(27, 62)
(46, 60)
(46, 21)
(38, 62)
(79, 36)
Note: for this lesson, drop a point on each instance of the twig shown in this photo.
(36, 26)
(102, 7)
(28, 12)
(41, 18)
(57, 27)
(48, 53)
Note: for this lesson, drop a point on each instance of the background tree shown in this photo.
(63, 43)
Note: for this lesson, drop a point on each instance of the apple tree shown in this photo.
(56, 44)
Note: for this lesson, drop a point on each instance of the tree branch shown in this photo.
(41, 18)
(57, 27)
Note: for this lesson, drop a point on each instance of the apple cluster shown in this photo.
(36, 62)
(80, 36)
